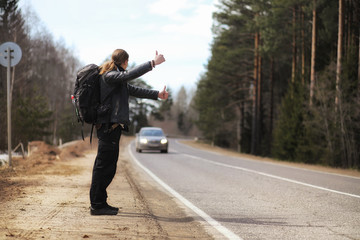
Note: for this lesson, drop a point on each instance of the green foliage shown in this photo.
(69, 128)
(289, 127)
(182, 112)
(139, 108)
(181, 121)
(324, 133)
(210, 102)
(42, 81)
(327, 33)
(141, 121)
(31, 119)
(330, 136)
(312, 145)
(164, 110)
(3, 119)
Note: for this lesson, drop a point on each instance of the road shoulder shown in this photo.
(52, 202)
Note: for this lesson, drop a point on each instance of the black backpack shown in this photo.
(86, 98)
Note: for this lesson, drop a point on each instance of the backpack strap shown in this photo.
(91, 133)
(82, 131)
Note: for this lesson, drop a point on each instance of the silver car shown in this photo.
(151, 138)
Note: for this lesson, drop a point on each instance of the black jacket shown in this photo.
(115, 91)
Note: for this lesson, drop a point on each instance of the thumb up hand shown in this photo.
(163, 94)
(159, 58)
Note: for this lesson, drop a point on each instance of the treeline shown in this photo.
(283, 80)
(177, 115)
(40, 84)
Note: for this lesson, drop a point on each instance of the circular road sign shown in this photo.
(15, 53)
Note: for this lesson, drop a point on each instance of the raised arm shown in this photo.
(115, 77)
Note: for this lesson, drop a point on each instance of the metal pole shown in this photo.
(9, 103)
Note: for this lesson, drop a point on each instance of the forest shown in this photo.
(42, 84)
(282, 81)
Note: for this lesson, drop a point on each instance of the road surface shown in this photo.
(247, 199)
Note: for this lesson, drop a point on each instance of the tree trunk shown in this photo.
(242, 125)
(271, 96)
(347, 28)
(293, 71)
(238, 127)
(54, 140)
(359, 66)
(255, 99)
(313, 54)
(339, 54)
(258, 102)
(358, 70)
(302, 48)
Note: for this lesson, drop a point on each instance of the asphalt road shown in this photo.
(247, 199)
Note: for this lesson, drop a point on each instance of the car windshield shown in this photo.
(151, 132)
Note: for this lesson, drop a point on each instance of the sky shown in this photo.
(178, 29)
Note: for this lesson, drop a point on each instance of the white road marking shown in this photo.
(215, 224)
(273, 163)
(272, 176)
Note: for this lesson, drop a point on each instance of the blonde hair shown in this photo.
(118, 57)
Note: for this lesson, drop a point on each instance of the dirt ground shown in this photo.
(46, 196)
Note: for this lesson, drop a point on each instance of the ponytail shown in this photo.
(106, 67)
(119, 56)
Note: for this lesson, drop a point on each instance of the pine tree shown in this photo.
(289, 126)
(32, 119)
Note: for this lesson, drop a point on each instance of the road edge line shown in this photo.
(273, 176)
(280, 163)
(215, 224)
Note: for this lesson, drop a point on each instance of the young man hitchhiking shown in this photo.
(115, 91)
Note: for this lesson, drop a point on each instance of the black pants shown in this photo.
(105, 164)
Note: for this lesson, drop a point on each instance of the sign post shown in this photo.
(9, 103)
(10, 55)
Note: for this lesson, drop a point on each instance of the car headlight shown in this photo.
(163, 141)
(143, 141)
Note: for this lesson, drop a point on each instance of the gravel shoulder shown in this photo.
(46, 196)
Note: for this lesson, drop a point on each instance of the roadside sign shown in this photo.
(10, 55)
(15, 52)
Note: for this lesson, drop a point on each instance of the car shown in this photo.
(151, 138)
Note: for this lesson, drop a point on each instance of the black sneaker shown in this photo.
(111, 207)
(103, 211)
